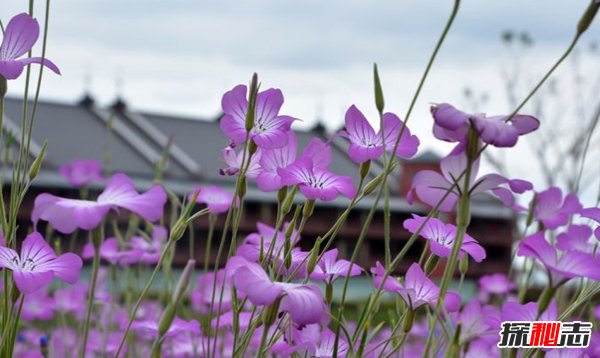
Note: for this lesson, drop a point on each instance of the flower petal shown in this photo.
(20, 35)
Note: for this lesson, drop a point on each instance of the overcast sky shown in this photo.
(180, 56)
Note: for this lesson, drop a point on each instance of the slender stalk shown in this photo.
(133, 313)
(96, 238)
(462, 222)
(212, 219)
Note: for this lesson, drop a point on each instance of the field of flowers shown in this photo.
(265, 296)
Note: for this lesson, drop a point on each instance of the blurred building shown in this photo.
(133, 141)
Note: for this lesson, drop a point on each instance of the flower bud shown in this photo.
(34, 170)
(379, 102)
(472, 143)
(373, 184)
(314, 256)
(308, 208)
(270, 313)
(253, 90)
(588, 17)
(252, 148)
(178, 229)
(328, 292)
(408, 321)
(281, 194)
(166, 319)
(184, 281)
(364, 168)
(242, 187)
(289, 200)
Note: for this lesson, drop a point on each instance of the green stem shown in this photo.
(463, 219)
(97, 238)
(166, 249)
(212, 219)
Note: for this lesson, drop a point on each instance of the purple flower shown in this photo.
(80, 173)
(272, 244)
(20, 35)
(441, 237)
(452, 124)
(303, 302)
(417, 289)
(111, 251)
(66, 215)
(330, 268)
(430, 186)
(71, 299)
(38, 306)
(313, 341)
(313, 178)
(594, 214)
(270, 128)
(497, 284)
(152, 249)
(474, 321)
(216, 199)
(234, 160)
(552, 211)
(561, 267)
(365, 144)
(273, 159)
(576, 238)
(202, 296)
(37, 264)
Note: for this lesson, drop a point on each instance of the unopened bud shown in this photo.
(242, 187)
(270, 314)
(37, 163)
(253, 90)
(281, 194)
(252, 147)
(289, 200)
(472, 143)
(314, 256)
(373, 184)
(166, 319)
(408, 321)
(364, 168)
(379, 102)
(184, 281)
(308, 208)
(588, 17)
(178, 229)
(329, 292)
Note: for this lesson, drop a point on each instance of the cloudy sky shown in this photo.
(180, 56)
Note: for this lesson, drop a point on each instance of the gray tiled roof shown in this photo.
(136, 141)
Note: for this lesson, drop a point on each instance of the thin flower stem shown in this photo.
(133, 313)
(97, 236)
(212, 219)
(462, 222)
(432, 58)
